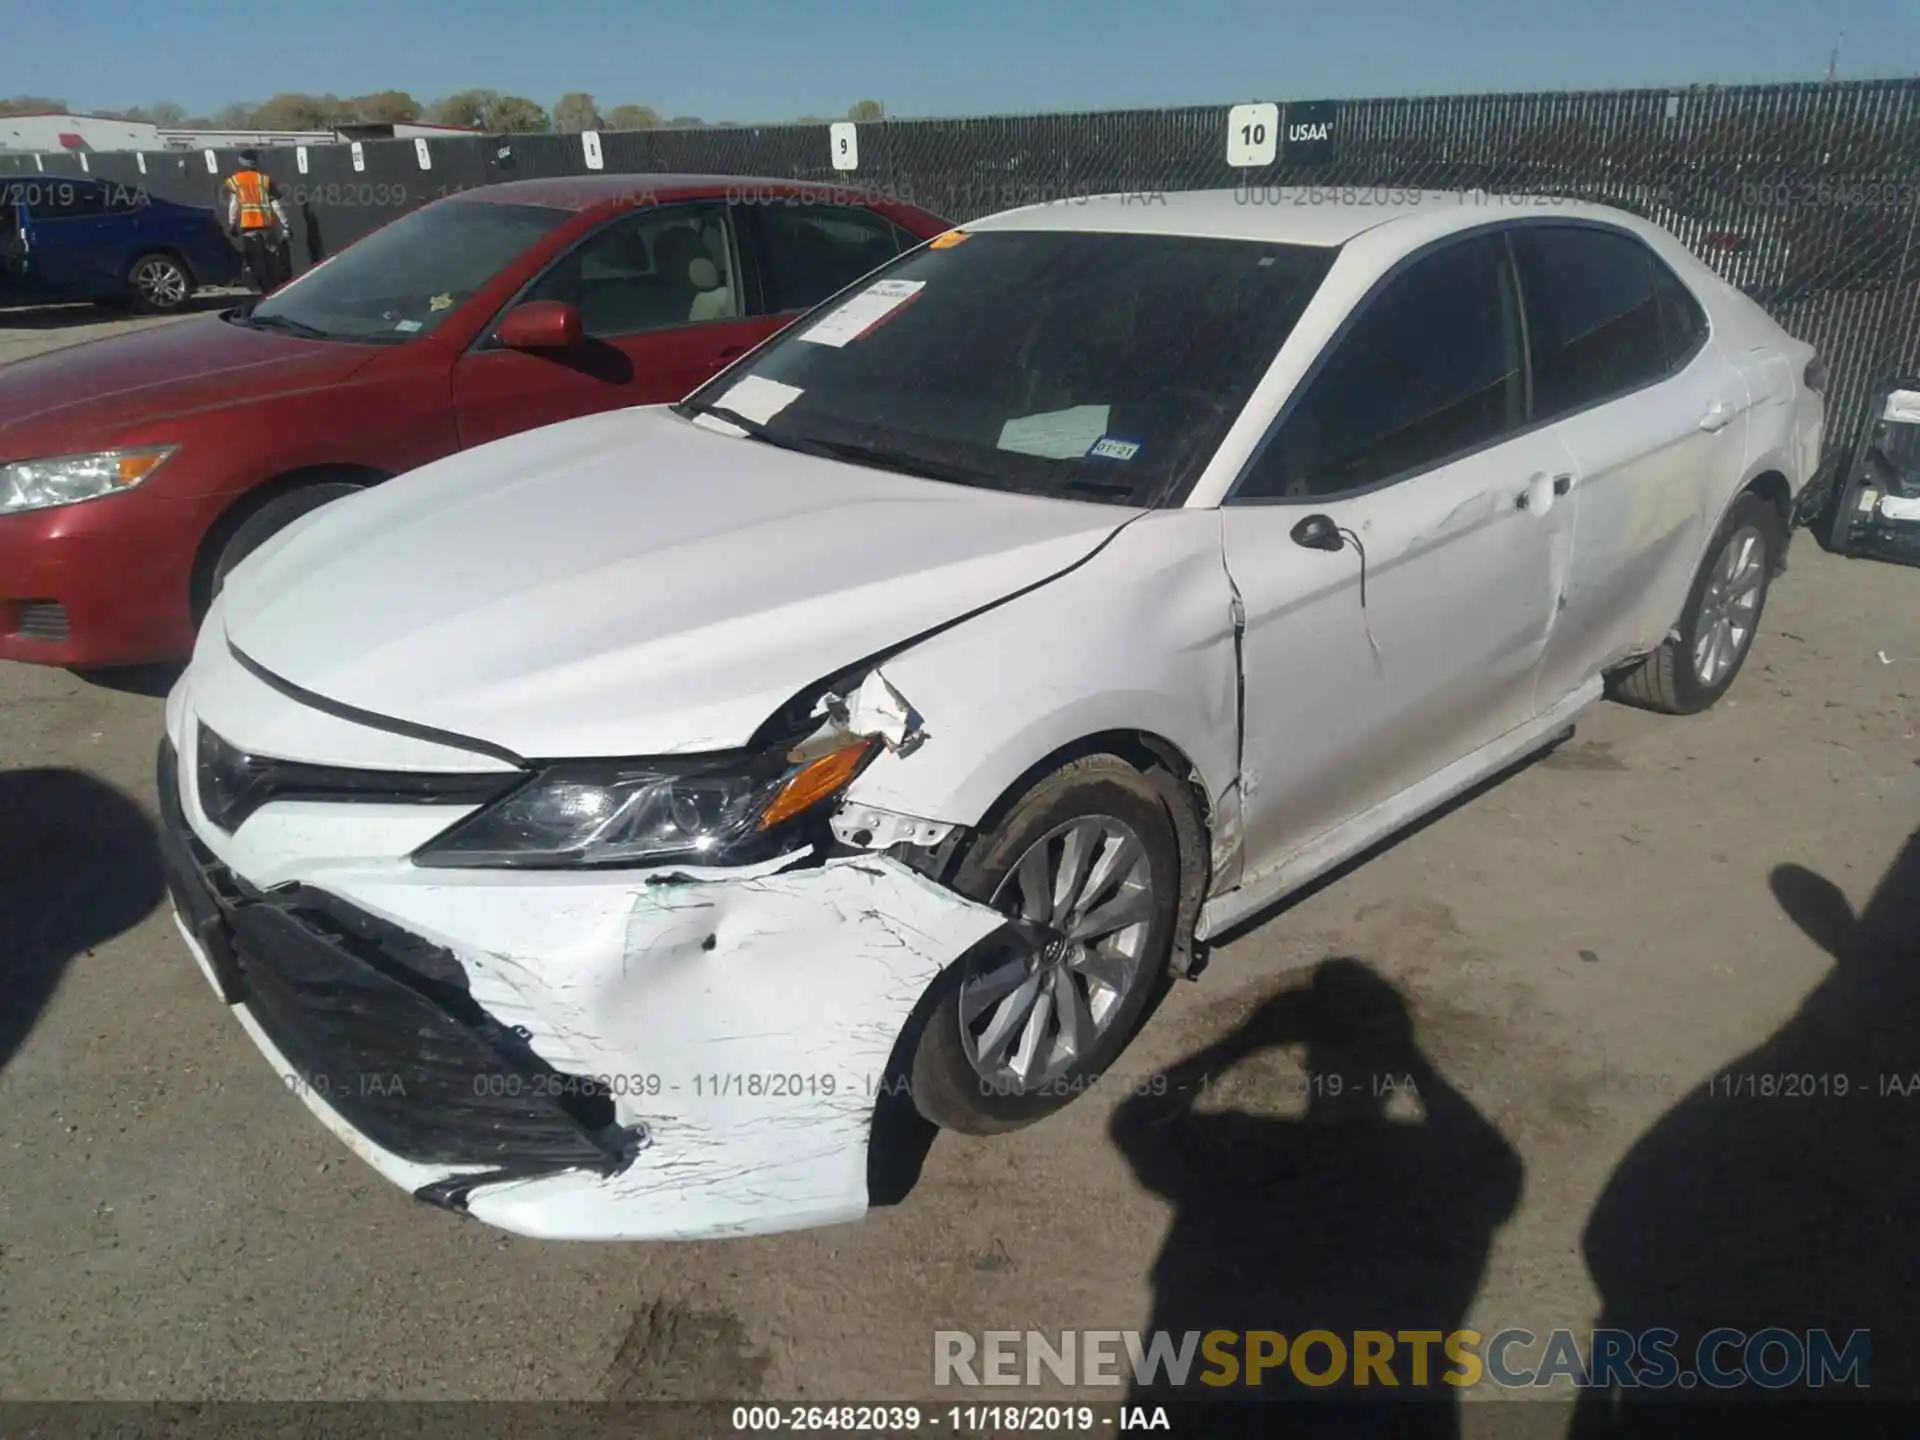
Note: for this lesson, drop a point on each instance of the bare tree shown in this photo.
(385, 107)
(294, 111)
(32, 105)
(517, 115)
(574, 112)
(490, 110)
(470, 108)
(866, 111)
(633, 117)
(237, 116)
(166, 114)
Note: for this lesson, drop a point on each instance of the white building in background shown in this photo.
(70, 134)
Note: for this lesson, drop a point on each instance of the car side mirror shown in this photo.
(1318, 532)
(540, 325)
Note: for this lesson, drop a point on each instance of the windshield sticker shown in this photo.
(859, 316)
(408, 325)
(1109, 448)
(1057, 435)
(947, 241)
(440, 302)
(757, 399)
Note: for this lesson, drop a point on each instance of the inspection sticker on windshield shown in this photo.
(859, 316)
(440, 302)
(1108, 448)
(758, 399)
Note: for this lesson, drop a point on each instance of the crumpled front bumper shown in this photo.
(613, 1055)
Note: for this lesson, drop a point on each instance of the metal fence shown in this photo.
(1804, 195)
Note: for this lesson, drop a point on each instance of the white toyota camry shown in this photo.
(602, 826)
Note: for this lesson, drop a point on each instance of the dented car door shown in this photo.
(1374, 662)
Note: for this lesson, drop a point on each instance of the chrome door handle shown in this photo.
(1719, 415)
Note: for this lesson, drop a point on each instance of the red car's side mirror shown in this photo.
(540, 325)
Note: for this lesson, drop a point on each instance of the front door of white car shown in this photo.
(1409, 435)
(1655, 415)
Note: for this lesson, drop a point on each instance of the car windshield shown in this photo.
(1091, 366)
(404, 279)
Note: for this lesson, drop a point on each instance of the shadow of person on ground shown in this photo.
(1770, 1198)
(79, 863)
(1360, 1212)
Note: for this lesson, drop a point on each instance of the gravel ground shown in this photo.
(1577, 952)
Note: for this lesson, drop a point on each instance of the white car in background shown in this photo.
(601, 824)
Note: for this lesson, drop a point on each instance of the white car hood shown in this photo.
(629, 584)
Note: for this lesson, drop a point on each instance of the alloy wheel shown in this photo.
(1729, 606)
(161, 282)
(1083, 895)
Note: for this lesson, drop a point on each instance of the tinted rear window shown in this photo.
(1593, 319)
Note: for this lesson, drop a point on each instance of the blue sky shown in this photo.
(776, 59)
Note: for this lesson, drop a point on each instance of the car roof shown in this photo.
(585, 192)
(1291, 215)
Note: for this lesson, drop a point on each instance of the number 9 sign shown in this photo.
(844, 138)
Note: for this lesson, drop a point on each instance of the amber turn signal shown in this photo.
(816, 780)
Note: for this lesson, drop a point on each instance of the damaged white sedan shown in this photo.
(602, 826)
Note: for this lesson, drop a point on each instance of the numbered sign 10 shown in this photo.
(1253, 135)
(844, 139)
(300, 158)
(590, 147)
(359, 156)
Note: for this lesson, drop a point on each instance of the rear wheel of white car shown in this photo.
(1692, 671)
(1087, 867)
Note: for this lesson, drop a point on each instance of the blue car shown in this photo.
(71, 238)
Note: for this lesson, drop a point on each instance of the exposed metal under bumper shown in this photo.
(380, 1025)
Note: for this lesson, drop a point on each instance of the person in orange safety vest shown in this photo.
(256, 219)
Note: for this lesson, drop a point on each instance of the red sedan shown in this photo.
(136, 471)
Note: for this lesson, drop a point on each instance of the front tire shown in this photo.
(269, 520)
(1691, 672)
(1087, 864)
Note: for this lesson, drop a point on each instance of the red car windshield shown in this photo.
(406, 278)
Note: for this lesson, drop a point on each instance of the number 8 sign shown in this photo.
(844, 138)
(1253, 135)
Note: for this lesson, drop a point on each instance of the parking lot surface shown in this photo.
(1583, 951)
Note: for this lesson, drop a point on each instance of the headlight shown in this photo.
(635, 812)
(68, 479)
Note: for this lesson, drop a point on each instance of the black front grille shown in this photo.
(41, 620)
(234, 784)
(380, 1024)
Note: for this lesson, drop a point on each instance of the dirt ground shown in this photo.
(1580, 948)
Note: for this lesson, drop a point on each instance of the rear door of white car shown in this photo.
(1655, 414)
(1409, 433)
